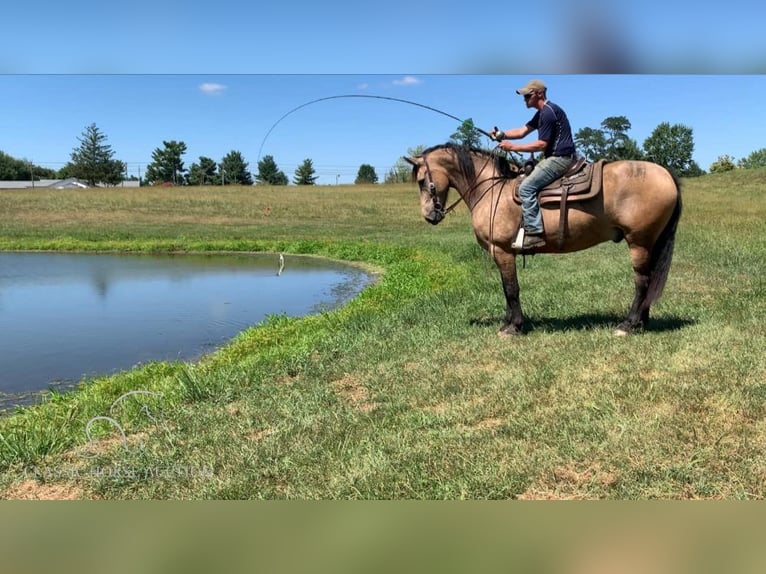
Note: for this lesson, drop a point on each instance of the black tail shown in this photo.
(662, 253)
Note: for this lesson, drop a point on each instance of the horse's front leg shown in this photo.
(514, 320)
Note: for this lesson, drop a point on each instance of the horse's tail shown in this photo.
(662, 253)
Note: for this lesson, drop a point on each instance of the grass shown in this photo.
(407, 392)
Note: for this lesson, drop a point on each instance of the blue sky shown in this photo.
(44, 114)
(392, 37)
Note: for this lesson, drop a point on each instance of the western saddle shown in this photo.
(581, 182)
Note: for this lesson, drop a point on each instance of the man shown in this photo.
(554, 139)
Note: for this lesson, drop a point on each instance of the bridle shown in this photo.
(431, 187)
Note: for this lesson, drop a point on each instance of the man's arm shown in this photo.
(516, 133)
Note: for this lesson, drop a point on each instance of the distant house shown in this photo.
(69, 183)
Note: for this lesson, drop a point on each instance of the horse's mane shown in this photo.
(463, 154)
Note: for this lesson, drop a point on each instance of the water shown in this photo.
(68, 316)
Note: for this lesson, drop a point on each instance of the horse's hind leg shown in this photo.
(638, 316)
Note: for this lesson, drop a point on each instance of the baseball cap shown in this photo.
(531, 86)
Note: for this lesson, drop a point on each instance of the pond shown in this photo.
(64, 317)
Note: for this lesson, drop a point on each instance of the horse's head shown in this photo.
(434, 185)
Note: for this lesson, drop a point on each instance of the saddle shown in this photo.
(581, 182)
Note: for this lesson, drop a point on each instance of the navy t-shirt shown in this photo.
(552, 126)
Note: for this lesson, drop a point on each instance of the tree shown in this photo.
(235, 169)
(269, 173)
(618, 145)
(616, 130)
(722, 164)
(366, 174)
(466, 135)
(755, 159)
(694, 170)
(626, 149)
(610, 142)
(402, 171)
(591, 143)
(203, 173)
(12, 169)
(304, 175)
(92, 160)
(167, 164)
(671, 146)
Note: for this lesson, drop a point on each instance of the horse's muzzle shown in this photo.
(434, 217)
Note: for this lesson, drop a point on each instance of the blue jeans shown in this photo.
(546, 171)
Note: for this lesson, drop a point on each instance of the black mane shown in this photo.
(463, 154)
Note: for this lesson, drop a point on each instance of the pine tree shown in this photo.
(269, 173)
(92, 160)
(203, 173)
(304, 175)
(167, 165)
(235, 169)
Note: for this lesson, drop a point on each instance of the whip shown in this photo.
(363, 96)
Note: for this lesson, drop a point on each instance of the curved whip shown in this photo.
(361, 96)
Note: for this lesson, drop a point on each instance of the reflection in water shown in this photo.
(67, 316)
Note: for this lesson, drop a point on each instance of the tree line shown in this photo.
(93, 159)
(93, 162)
(669, 145)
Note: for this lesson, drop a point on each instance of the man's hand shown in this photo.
(497, 135)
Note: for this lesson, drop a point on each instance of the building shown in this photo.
(69, 183)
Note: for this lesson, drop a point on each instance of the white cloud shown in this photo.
(362, 87)
(407, 81)
(210, 88)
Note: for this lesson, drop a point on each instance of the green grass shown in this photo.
(407, 391)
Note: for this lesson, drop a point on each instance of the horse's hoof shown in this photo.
(508, 332)
(621, 332)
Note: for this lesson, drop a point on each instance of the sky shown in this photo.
(391, 37)
(220, 76)
(277, 114)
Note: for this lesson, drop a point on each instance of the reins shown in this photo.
(463, 197)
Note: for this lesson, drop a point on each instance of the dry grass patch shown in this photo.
(33, 490)
(354, 393)
(482, 425)
(573, 481)
(258, 435)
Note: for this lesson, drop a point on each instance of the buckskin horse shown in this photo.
(638, 201)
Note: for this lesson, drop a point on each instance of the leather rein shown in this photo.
(431, 186)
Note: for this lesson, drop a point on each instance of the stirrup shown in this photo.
(526, 242)
(519, 241)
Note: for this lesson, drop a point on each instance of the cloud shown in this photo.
(362, 87)
(211, 89)
(407, 81)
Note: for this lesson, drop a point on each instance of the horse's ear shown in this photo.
(409, 160)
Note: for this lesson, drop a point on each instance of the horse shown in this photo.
(640, 202)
